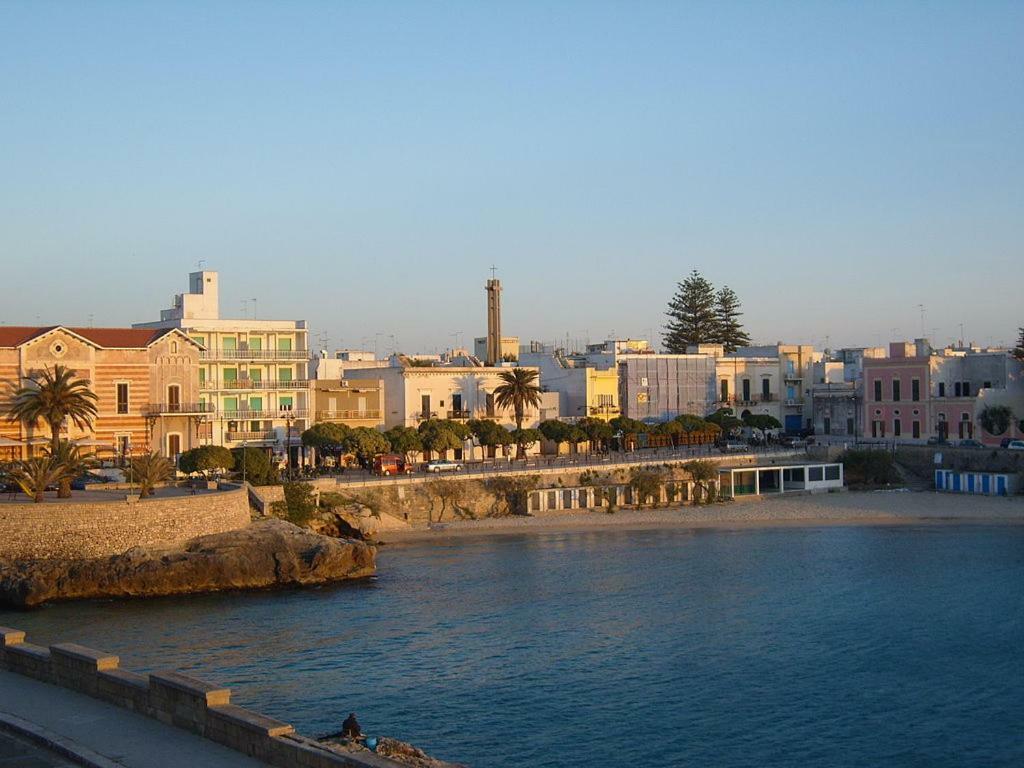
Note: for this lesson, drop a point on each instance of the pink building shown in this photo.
(897, 394)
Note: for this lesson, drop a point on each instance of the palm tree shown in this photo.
(34, 476)
(518, 391)
(704, 474)
(150, 469)
(53, 396)
(72, 463)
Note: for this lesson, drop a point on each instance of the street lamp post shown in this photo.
(288, 439)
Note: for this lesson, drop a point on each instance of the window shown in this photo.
(967, 389)
(897, 428)
(915, 389)
(878, 390)
(122, 397)
(724, 397)
(490, 405)
(832, 472)
(746, 390)
(202, 375)
(284, 374)
(956, 389)
(766, 388)
(174, 347)
(896, 390)
(987, 385)
(827, 426)
(815, 474)
(942, 389)
(916, 429)
(174, 396)
(425, 406)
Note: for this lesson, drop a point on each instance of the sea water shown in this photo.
(833, 646)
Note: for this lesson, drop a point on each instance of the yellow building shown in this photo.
(353, 402)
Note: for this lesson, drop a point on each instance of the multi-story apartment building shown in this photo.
(657, 388)
(340, 399)
(582, 391)
(749, 385)
(918, 393)
(253, 372)
(413, 394)
(794, 362)
(146, 383)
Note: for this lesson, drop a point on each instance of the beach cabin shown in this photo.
(776, 478)
(980, 483)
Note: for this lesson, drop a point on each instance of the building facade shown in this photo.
(254, 373)
(146, 383)
(657, 388)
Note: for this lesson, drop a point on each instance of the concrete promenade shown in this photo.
(101, 734)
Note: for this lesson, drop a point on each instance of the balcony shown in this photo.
(233, 384)
(255, 354)
(794, 401)
(251, 437)
(346, 415)
(177, 409)
(424, 415)
(463, 414)
(245, 415)
(751, 399)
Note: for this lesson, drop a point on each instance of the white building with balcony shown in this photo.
(253, 372)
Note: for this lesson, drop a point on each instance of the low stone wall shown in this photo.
(87, 529)
(175, 699)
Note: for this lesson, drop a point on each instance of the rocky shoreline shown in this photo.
(266, 553)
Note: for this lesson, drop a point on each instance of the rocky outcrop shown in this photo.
(398, 751)
(266, 553)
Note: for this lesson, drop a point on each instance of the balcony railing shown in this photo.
(244, 415)
(424, 415)
(461, 414)
(177, 409)
(354, 415)
(255, 354)
(252, 437)
(255, 384)
(751, 400)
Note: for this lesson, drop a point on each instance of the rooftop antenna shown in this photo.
(199, 264)
(245, 308)
(921, 308)
(90, 319)
(494, 271)
(253, 308)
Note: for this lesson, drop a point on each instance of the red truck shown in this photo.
(390, 464)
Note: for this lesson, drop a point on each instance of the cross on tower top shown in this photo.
(494, 271)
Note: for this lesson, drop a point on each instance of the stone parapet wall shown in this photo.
(175, 699)
(87, 529)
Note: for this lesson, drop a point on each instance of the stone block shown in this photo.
(183, 701)
(29, 660)
(125, 689)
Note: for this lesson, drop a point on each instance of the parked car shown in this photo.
(443, 465)
(1005, 442)
(969, 443)
(88, 478)
(937, 441)
(390, 464)
(733, 446)
(1016, 445)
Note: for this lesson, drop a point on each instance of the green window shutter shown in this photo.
(284, 374)
(284, 345)
(255, 374)
(255, 403)
(229, 374)
(285, 401)
(230, 403)
(229, 343)
(202, 375)
(199, 340)
(255, 343)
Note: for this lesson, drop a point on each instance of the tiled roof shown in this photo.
(119, 338)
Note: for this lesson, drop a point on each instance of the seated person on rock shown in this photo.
(350, 728)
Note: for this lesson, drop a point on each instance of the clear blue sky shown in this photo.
(361, 165)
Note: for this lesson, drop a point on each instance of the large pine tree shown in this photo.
(691, 312)
(727, 316)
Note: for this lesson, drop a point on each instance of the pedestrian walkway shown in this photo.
(111, 735)
(16, 752)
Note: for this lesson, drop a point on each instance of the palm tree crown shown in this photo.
(52, 396)
(518, 391)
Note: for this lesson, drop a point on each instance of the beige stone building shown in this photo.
(146, 382)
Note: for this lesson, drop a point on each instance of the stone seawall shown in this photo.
(91, 529)
(176, 700)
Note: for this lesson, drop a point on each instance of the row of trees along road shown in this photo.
(53, 396)
(698, 314)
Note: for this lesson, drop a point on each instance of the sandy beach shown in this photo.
(852, 508)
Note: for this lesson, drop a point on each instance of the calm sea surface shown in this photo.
(821, 647)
